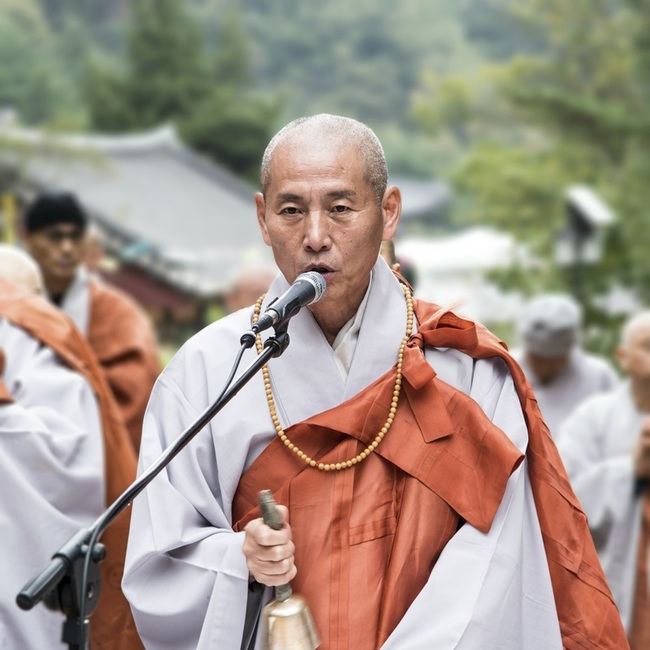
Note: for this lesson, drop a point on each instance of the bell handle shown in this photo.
(273, 519)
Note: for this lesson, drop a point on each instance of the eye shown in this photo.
(340, 208)
(290, 210)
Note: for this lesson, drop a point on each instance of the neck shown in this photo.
(641, 394)
(57, 288)
(332, 315)
(329, 325)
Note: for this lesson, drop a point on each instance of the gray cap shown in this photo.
(550, 325)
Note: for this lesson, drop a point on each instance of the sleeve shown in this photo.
(51, 475)
(185, 576)
(488, 590)
(51, 431)
(602, 482)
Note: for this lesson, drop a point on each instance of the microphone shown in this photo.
(306, 289)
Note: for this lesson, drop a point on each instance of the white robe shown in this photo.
(596, 445)
(51, 477)
(76, 300)
(584, 376)
(186, 576)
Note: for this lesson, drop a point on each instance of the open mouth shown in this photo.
(323, 270)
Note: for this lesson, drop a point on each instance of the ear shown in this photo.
(260, 206)
(391, 208)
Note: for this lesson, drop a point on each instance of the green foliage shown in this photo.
(170, 77)
(232, 128)
(572, 113)
(105, 92)
(31, 80)
(165, 74)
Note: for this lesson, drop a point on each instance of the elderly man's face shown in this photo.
(320, 214)
(546, 369)
(58, 250)
(634, 356)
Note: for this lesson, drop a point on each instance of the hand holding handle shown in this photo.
(273, 519)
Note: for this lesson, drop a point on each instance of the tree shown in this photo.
(170, 78)
(232, 124)
(573, 114)
(166, 73)
(32, 80)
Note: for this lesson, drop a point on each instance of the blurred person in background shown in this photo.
(561, 373)
(64, 454)
(605, 445)
(117, 328)
(248, 283)
(20, 269)
(411, 518)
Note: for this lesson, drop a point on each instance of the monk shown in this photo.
(560, 371)
(423, 500)
(118, 330)
(65, 455)
(605, 445)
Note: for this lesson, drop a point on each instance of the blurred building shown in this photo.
(453, 269)
(425, 205)
(173, 224)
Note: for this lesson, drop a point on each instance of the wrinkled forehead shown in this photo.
(310, 158)
(309, 144)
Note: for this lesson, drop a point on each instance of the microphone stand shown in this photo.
(70, 583)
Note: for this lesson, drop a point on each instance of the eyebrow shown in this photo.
(341, 194)
(335, 194)
(287, 196)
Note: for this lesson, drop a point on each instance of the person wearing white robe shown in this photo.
(601, 444)
(51, 476)
(561, 373)
(187, 573)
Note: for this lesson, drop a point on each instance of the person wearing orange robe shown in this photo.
(423, 501)
(112, 626)
(119, 332)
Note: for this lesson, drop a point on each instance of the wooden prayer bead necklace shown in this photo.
(327, 467)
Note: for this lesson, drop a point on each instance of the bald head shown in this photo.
(309, 132)
(248, 284)
(20, 269)
(633, 352)
(636, 324)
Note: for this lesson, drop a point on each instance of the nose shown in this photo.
(317, 236)
(67, 245)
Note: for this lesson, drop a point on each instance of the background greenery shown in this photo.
(510, 101)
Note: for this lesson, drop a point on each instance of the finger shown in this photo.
(276, 553)
(262, 535)
(267, 575)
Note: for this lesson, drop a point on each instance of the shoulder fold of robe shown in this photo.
(588, 616)
(112, 626)
(442, 438)
(124, 342)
